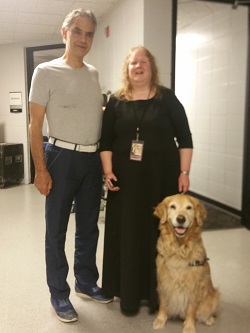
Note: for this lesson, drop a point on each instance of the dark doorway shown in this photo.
(35, 56)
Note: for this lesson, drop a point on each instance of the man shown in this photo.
(67, 90)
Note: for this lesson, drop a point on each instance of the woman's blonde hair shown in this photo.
(125, 92)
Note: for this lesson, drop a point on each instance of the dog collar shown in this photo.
(198, 262)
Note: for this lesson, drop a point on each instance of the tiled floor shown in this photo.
(24, 297)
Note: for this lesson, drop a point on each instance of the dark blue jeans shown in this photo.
(76, 176)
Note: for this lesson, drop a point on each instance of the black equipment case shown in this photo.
(11, 164)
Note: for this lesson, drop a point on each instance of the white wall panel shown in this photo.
(217, 47)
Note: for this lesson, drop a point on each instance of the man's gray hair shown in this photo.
(76, 13)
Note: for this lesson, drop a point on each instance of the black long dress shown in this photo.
(131, 230)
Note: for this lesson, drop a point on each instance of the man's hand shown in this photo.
(43, 182)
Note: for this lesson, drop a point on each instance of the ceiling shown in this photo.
(25, 21)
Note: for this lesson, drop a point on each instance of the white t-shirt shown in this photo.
(73, 100)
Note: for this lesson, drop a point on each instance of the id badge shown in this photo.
(136, 150)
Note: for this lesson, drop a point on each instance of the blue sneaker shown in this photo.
(94, 293)
(64, 310)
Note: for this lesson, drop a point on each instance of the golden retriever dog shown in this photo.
(184, 287)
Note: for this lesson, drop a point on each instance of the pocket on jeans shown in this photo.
(51, 154)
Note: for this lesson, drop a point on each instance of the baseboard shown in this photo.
(217, 204)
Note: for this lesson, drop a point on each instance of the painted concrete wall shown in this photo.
(211, 74)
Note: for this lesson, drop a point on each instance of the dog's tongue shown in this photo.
(180, 231)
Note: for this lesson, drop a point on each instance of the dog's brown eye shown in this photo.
(173, 206)
(189, 207)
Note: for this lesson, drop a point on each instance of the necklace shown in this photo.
(149, 92)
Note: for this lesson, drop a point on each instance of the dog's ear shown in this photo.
(200, 211)
(161, 211)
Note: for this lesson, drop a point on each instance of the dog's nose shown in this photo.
(181, 219)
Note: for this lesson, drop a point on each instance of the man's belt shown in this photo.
(72, 146)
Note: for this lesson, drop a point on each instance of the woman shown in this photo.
(146, 146)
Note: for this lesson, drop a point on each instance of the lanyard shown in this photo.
(139, 122)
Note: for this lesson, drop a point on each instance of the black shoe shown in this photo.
(64, 310)
(129, 312)
(94, 293)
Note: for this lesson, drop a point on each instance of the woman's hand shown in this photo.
(111, 182)
(183, 183)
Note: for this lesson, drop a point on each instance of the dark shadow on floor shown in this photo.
(218, 219)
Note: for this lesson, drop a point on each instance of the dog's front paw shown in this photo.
(210, 321)
(158, 323)
(189, 329)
